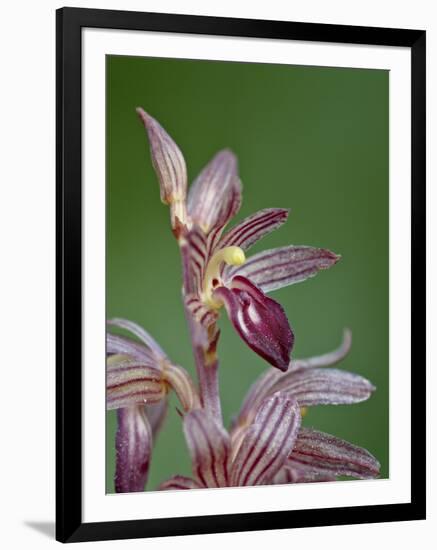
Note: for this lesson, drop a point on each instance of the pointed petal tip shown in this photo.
(332, 256)
(149, 121)
(168, 162)
(227, 151)
(254, 227)
(327, 359)
(284, 212)
(327, 454)
(279, 267)
(142, 115)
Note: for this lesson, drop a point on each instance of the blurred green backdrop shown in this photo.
(309, 138)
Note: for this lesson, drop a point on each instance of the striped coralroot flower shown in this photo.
(217, 273)
(138, 378)
(266, 443)
(253, 459)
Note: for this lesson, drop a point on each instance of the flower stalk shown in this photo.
(204, 345)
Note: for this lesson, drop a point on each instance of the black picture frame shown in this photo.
(69, 25)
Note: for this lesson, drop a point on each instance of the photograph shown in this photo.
(247, 274)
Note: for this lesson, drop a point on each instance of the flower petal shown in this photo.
(324, 387)
(327, 359)
(200, 311)
(133, 449)
(329, 455)
(125, 346)
(267, 442)
(141, 334)
(254, 227)
(167, 159)
(215, 195)
(182, 383)
(265, 384)
(131, 382)
(279, 267)
(209, 447)
(156, 414)
(259, 320)
(179, 482)
(197, 257)
(256, 394)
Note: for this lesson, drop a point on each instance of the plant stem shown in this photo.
(202, 342)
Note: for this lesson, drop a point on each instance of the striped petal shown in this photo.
(125, 346)
(259, 390)
(133, 449)
(209, 447)
(259, 320)
(182, 383)
(324, 387)
(176, 483)
(253, 228)
(156, 414)
(327, 359)
(215, 196)
(266, 383)
(131, 382)
(267, 443)
(279, 267)
(167, 159)
(141, 334)
(329, 455)
(197, 256)
(201, 312)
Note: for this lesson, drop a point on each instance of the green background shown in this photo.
(309, 138)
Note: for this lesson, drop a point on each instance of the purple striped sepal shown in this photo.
(215, 196)
(323, 454)
(259, 320)
(141, 373)
(133, 449)
(253, 228)
(254, 458)
(280, 267)
(267, 442)
(132, 382)
(170, 167)
(167, 159)
(209, 446)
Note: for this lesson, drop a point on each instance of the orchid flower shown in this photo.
(265, 443)
(254, 459)
(139, 375)
(217, 271)
(316, 456)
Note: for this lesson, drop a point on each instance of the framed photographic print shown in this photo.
(241, 274)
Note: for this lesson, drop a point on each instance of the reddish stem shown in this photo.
(207, 370)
